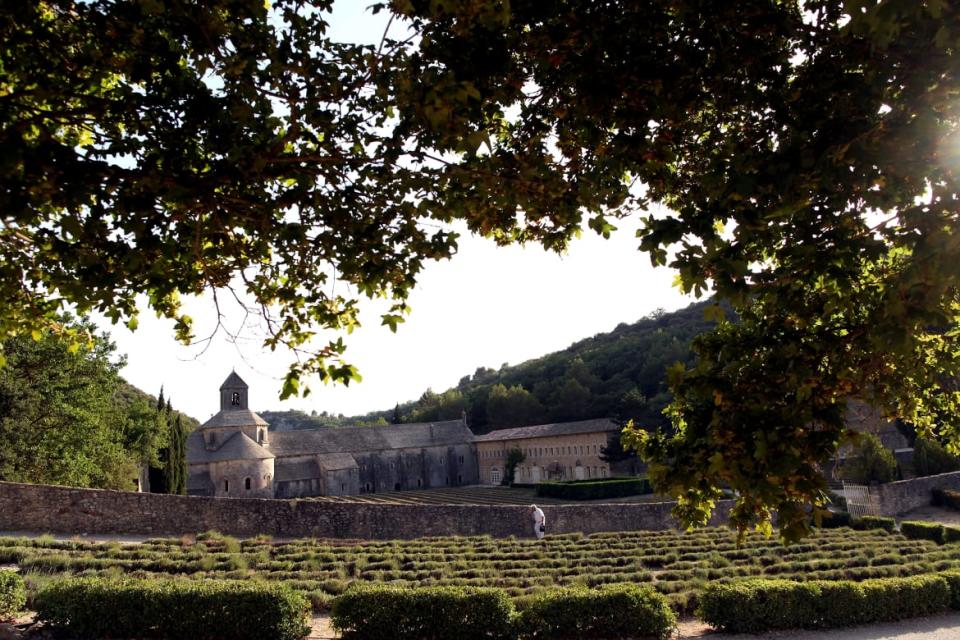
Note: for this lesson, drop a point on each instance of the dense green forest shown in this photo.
(68, 417)
(620, 374)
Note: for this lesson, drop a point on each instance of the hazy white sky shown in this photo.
(485, 307)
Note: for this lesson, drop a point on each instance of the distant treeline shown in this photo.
(620, 374)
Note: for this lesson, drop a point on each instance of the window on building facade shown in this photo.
(235, 400)
(246, 484)
(226, 486)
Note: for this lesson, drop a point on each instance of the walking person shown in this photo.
(539, 521)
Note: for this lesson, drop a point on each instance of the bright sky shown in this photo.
(487, 306)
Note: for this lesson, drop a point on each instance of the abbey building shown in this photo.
(234, 454)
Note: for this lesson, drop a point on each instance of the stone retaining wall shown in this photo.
(896, 498)
(43, 508)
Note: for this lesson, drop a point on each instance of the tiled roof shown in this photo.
(550, 430)
(336, 461)
(233, 381)
(234, 418)
(237, 447)
(303, 470)
(356, 439)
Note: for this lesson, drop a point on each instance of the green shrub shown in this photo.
(874, 522)
(834, 519)
(890, 599)
(594, 489)
(610, 611)
(923, 531)
(375, 612)
(757, 606)
(13, 594)
(173, 609)
(946, 498)
(872, 462)
(951, 534)
(930, 458)
(953, 579)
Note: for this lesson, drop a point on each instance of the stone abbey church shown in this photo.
(234, 454)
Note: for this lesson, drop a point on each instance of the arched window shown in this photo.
(246, 484)
(226, 486)
(235, 400)
(260, 436)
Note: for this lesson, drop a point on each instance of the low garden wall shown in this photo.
(895, 498)
(43, 508)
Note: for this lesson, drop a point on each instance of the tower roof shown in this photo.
(234, 418)
(239, 446)
(233, 381)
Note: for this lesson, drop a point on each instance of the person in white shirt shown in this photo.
(539, 521)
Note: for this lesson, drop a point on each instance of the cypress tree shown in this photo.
(175, 468)
(157, 472)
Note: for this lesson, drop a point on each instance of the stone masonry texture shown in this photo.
(896, 498)
(53, 509)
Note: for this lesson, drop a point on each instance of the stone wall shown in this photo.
(41, 508)
(896, 498)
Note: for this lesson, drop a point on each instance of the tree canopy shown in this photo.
(66, 416)
(798, 158)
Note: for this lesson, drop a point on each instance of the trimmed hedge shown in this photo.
(13, 594)
(756, 606)
(375, 612)
(173, 609)
(834, 519)
(594, 489)
(611, 611)
(874, 522)
(953, 579)
(951, 534)
(923, 531)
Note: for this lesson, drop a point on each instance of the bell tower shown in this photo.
(233, 393)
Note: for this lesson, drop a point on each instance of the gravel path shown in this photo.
(943, 627)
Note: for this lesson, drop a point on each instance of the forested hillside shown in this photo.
(620, 374)
(293, 420)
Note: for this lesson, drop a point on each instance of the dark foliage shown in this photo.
(173, 609)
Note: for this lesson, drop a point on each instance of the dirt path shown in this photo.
(943, 627)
